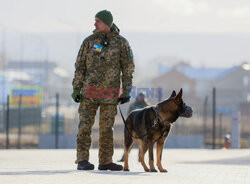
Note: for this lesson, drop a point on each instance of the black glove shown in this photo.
(76, 95)
(125, 97)
(123, 100)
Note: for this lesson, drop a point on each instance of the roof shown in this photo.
(30, 64)
(14, 75)
(199, 73)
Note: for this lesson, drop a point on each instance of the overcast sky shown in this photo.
(172, 16)
(204, 32)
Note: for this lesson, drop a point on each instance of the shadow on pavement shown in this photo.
(49, 172)
(123, 173)
(54, 172)
(229, 161)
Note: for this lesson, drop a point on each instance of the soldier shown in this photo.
(140, 102)
(104, 59)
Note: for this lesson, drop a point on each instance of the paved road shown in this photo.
(184, 166)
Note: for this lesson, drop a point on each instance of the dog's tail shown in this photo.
(127, 124)
(127, 135)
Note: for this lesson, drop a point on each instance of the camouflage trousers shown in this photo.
(87, 111)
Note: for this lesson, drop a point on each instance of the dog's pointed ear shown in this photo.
(179, 96)
(173, 94)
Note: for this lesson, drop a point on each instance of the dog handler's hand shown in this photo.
(124, 98)
(76, 95)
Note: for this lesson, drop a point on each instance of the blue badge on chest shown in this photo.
(136, 107)
(97, 48)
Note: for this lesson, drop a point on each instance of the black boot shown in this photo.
(85, 165)
(112, 166)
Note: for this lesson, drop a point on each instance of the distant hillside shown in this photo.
(199, 49)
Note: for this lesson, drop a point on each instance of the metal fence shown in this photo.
(26, 124)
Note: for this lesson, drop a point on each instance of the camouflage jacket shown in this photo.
(102, 62)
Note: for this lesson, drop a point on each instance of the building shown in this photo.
(232, 84)
(52, 78)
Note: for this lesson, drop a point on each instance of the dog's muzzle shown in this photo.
(187, 112)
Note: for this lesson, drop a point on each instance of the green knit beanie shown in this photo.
(106, 17)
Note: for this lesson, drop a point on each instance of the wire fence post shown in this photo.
(7, 123)
(19, 122)
(205, 119)
(160, 94)
(220, 129)
(57, 121)
(214, 118)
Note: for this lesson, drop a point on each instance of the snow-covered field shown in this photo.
(184, 166)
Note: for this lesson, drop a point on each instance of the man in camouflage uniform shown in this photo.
(103, 60)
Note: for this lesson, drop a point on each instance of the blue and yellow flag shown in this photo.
(97, 47)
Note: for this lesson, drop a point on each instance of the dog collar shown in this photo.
(158, 119)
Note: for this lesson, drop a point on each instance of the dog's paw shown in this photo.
(125, 169)
(146, 170)
(164, 170)
(153, 170)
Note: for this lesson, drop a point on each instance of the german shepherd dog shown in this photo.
(152, 124)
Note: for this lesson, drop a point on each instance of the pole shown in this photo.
(205, 119)
(19, 122)
(160, 94)
(7, 123)
(3, 72)
(57, 119)
(214, 118)
(220, 130)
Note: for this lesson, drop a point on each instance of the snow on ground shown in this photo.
(183, 165)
